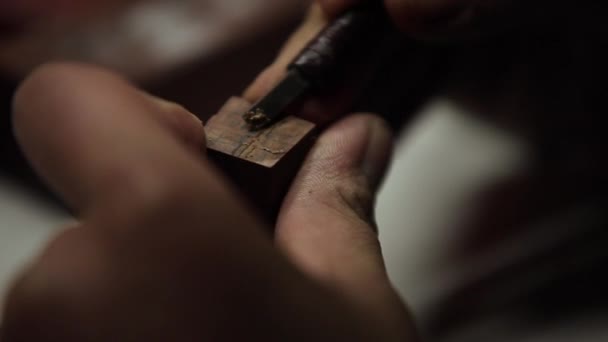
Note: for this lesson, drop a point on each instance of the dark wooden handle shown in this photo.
(357, 33)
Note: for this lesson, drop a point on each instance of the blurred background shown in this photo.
(493, 217)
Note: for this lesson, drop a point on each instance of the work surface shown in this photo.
(439, 166)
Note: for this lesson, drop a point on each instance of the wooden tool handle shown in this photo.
(357, 33)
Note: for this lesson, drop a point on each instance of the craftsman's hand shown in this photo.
(164, 251)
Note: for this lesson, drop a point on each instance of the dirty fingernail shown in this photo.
(172, 107)
(379, 150)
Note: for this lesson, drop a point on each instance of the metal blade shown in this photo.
(272, 106)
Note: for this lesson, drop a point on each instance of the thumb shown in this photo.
(326, 225)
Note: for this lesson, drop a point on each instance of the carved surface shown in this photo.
(260, 164)
(228, 133)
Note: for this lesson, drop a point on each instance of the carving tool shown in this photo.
(321, 64)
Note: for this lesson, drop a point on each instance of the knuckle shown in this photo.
(51, 86)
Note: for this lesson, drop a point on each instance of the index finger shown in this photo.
(89, 132)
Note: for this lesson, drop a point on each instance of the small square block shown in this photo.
(260, 164)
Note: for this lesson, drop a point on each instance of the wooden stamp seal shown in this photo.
(260, 163)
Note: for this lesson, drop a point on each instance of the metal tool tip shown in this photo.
(256, 118)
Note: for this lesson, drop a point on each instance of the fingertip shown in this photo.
(346, 166)
(53, 84)
(183, 122)
(327, 225)
(36, 85)
(375, 140)
(345, 141)
(365, 129)
(48, 76)
(59, 85)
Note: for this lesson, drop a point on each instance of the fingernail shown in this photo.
(378, 152)
(189, 126)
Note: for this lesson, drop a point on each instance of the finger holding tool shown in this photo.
(260, 147)
(327, 62)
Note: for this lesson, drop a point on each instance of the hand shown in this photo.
(164, 250)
